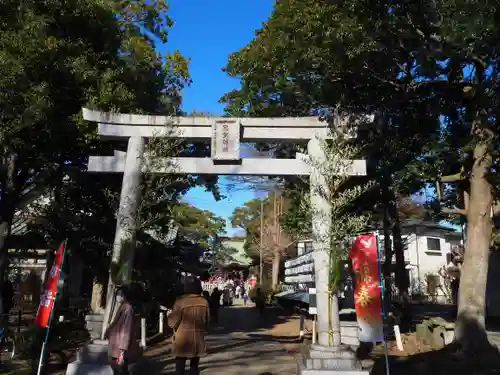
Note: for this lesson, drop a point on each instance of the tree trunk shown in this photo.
(470, 331)
(401, 277)
(8, 202)
(276, 269)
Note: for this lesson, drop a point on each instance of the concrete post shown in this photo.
(314, 330)
(321, 219)
(301, 325)
(122, 258)
(160, 323)
(143, 333)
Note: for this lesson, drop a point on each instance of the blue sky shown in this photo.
(208, 32)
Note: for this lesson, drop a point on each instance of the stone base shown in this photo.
(326, 360)
(94, 353)
(78, 368)
(93, 359)
(302, 370)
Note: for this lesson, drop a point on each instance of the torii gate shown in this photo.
(225, 135)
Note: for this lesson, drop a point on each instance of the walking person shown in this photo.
(242, 291)
(189, 320)
(206, 295)
(237, 292)
(260, 302)
(215, 305)
(123, 333)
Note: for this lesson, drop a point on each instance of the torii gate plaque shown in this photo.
(225, 135)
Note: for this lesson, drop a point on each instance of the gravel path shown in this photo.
(243, 345)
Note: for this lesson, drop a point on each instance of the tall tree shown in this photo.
(265, 233)
(57, 56)
(429, 71)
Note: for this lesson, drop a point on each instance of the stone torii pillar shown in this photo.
(321, 219)
(323, 357)
(122, 255)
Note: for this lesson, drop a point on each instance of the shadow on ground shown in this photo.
(472, 354)
(248, 319)
(442, 362)
(239, 345)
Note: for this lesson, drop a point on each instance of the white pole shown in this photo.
(161, 323)
(143, 332)
(399, 342)
(42, 356)
(261, 248)
(314, 330)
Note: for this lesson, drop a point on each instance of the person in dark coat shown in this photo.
(215, 305)
(260, 301)
(189, 319)
(206, 295)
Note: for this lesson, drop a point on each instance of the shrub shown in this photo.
(266, 290)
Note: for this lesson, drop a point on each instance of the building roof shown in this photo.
(427, 224)
(239, 256)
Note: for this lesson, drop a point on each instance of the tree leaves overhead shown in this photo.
(198, 226)
(59, 56)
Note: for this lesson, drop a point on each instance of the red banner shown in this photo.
(49, 295)
(367, 301)
(253, 282)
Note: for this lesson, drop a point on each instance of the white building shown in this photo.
(427, 248)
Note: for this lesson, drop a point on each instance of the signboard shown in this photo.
(226, 140)
(313, 307)
(367, 298)
(300, 269)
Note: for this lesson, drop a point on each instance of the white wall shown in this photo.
(420, 259)
(425, 260)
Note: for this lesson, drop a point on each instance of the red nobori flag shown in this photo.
(365, 264)
(49, 295)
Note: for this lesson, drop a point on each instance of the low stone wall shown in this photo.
(435, 332)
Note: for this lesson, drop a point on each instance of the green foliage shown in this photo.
(59, 56)
(399, 62)
(224, 253)
(266, 293)
(199, 226)
(55, 58)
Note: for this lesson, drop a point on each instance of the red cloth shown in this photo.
(47, 301)
(364, 257)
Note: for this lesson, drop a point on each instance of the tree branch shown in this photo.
(453, 211)
(452, 178)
